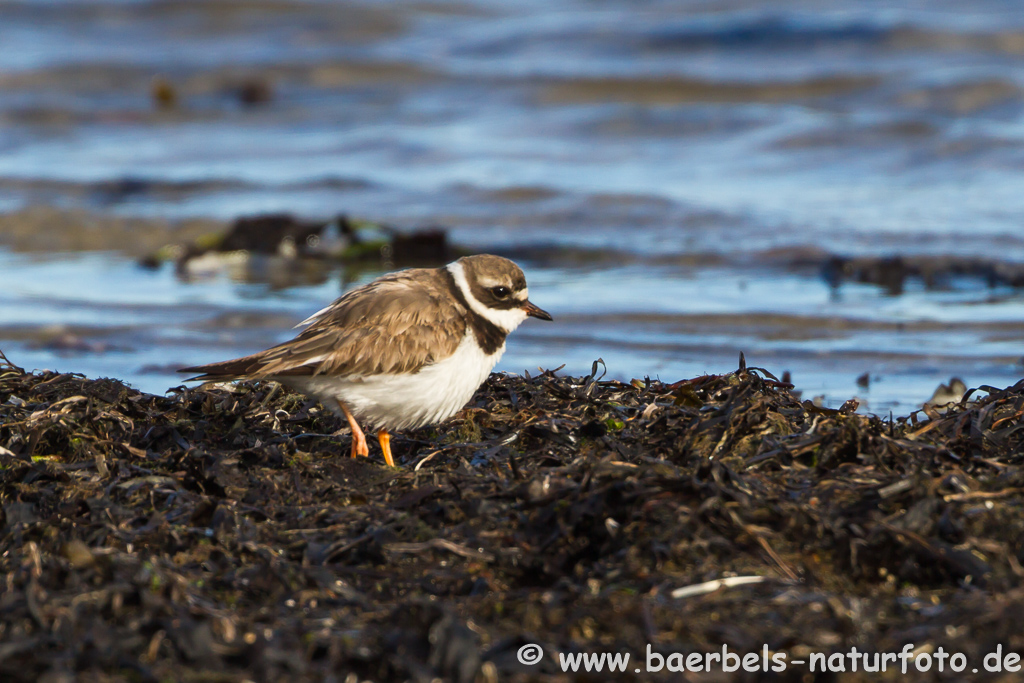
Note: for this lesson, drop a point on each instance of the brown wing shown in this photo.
(396, 324)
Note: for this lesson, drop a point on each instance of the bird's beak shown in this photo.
(535, 312)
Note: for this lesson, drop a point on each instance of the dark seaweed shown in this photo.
(223, 534)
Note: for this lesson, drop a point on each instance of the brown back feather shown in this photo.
(398, 323)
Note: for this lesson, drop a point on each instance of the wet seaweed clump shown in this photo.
(251, 240)
(223, 533)
(893, 273)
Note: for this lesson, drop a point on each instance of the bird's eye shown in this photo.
(501, 291)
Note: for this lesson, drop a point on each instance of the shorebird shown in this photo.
(404, 351)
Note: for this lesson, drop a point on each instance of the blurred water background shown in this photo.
(832, 187)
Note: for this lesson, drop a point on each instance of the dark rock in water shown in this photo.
(150, 261)
(429, 245)
(273, 233)
(287, 235)
(288, 238)
(888, 273)
(224, 533)
(935, 272)
(255, 91)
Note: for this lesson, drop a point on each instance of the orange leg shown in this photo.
(359, 446)
(385, 445)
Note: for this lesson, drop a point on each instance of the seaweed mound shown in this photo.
(223, 533)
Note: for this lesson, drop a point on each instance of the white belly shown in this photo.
(410, 400)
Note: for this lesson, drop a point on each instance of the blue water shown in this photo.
(703, 147)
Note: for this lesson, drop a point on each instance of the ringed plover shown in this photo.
(406, 350)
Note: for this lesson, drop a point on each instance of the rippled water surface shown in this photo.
(673, 176)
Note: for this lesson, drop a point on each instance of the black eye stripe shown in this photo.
(486, 296)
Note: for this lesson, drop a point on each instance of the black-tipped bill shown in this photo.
(535, 312)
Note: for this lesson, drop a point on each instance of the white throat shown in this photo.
(505, 320)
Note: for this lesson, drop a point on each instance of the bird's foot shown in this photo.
(359, 447)
(385, 446)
